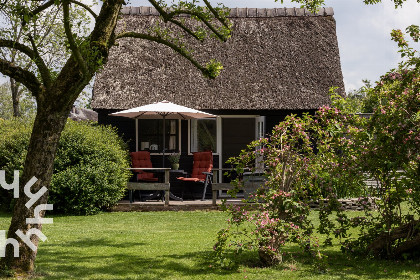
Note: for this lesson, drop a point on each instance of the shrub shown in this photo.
(14, 139)
(90, 168)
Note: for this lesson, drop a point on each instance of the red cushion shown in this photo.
(203, 162)
(142, 159)
(190, 179)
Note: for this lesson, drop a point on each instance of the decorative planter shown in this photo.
(252, 182)
(175, 166)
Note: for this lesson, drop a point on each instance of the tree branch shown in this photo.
(22, 76)
(165, 17)
(216, 14)
(86, 7)
(32, 54)
(186, 29)
(17, 46)
(43, 69)
(176, 48)
(170, 17)
(199, 16)
(69, 35)
(41, 8)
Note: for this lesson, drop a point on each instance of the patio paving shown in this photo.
(188, 205)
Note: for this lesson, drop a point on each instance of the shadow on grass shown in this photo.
(4, 214)
(56, 263)
(126, 260)
(341, 266)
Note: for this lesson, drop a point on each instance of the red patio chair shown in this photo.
(141, 159)
(201, 172)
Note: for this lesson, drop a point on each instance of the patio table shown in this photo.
(143, 186)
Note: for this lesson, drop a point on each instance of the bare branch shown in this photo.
(43, 69)
(41, 8)
(22, 76)
(32, 54)
(85, 7)
(73, 47)
(17, 46)
(173, 46)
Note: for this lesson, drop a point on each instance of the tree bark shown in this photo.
(48, 125)
(14, 88)
(409, 234)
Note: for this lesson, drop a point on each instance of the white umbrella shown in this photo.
(166, 110)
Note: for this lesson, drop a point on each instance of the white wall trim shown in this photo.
(218, 126)
(239, 116)
(137, 135)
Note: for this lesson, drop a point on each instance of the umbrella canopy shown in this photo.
(165, 108)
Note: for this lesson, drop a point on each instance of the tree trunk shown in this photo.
(54, 103)
(14, 88)
(48, 125)
(407, 234)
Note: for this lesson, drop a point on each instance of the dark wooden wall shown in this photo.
(126, 129)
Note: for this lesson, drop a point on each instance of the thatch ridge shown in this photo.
(270, 63)
(241, 12)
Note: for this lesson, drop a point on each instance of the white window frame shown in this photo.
(218, 136)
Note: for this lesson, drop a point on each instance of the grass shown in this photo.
(174, 245)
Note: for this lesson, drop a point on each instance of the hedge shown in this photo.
(90, 167)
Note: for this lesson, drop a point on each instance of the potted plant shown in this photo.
(174, 160)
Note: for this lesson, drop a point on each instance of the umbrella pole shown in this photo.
(163, 158)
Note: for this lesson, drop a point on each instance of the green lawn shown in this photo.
(173, 245)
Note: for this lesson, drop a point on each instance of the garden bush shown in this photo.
(329, 155)
(90, 168)
(14, 139)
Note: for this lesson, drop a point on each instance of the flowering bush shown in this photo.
(281, 214)
(388, 150)
(330, 155)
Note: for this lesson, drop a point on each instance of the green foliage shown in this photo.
(174, 158)
(356, 101)
(213, 68)
(313, 5)
(27, 106)
(14, 139)
(90, 168)
(388, 145)
(330, 155)
(282, 213)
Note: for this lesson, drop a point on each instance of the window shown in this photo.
(151, 135)
(203, 135)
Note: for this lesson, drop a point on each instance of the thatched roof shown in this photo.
(275, 59)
